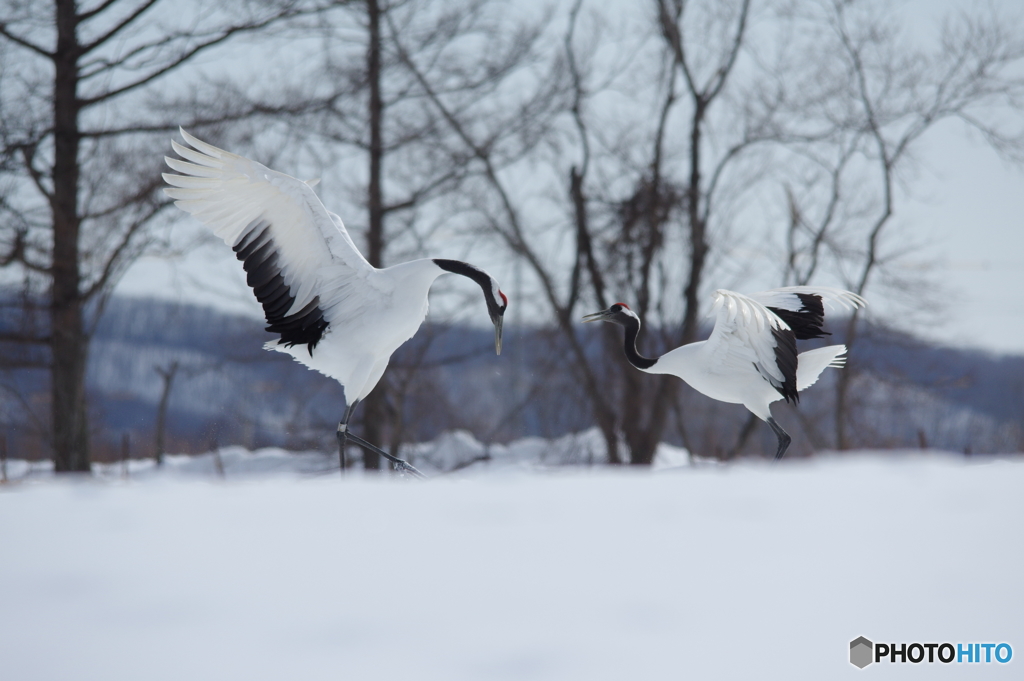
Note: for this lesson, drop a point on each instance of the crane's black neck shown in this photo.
(494, 307)
(632, 327)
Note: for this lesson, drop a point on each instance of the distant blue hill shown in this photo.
(229, 390)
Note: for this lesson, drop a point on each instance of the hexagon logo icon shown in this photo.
(861, 652)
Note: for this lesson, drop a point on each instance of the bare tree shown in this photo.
(608, 164)
(81, 176)
(167, 375)
(733, 101)
(636, 206)
(877, 96)
(390, 153)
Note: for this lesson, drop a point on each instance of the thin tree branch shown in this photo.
(114, 259)
(86, 49)
(99, 9)
(514, 238)
(28, 153)
(181, 59)
(23, 42)
(723, 73)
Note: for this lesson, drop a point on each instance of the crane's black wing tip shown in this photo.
(259, 255)
(785, 360)
(808, 320)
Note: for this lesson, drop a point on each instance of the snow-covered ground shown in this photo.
(506, 570)
(454, 452)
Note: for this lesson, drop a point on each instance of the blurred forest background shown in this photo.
(583, 152)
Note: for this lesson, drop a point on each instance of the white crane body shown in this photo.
(331, 309)
(358, 360)
(750, 357)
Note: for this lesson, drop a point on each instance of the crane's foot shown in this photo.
(400, 464)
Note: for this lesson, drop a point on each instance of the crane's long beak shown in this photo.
(598, 316)
(497, 334)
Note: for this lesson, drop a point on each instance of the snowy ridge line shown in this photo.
(451, 452)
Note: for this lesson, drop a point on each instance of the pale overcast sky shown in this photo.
(969, 209)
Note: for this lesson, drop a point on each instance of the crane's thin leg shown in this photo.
(343, 436)
(402, 465)
(784, 438)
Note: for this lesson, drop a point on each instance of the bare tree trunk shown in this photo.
(126, 454)
(77, 268)
(606, 421)
(698, 228)
(646, 410)
(68, 342)
(585, 258)
(644, 426)
(375, 412)
(167, 375)
(643, 440)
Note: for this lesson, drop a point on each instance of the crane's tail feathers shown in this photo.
(812, 363)
(840, 361)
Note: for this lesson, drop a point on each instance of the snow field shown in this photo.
(733, 572)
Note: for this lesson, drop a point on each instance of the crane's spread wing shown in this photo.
(302, 265)
(750, 337)
(803, 309)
